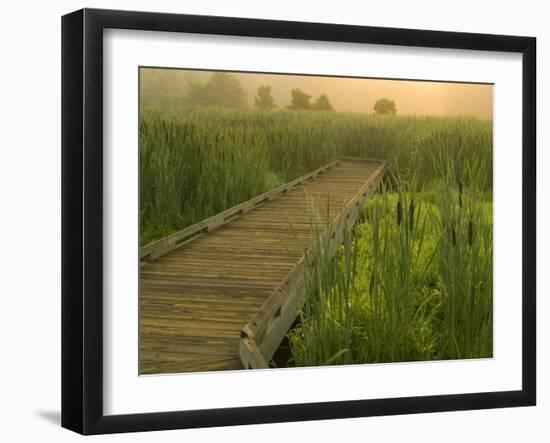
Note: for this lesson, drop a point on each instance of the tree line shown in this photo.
(225, 90)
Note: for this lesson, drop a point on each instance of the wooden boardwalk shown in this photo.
(225, 296)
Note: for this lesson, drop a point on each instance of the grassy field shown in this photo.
(197, 162)
(412, 280)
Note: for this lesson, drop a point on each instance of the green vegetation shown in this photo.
(300, 100)
(411, 281)
(221, 89)
(385, 106)
(196, 162)
(322, 103)
(264, 99)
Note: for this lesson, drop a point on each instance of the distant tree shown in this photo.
(221, 89)
(385, 106)
(300, 100)
(322, 104)
(264, 99)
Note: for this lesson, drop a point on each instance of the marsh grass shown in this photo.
(412, 281)
(328, 323)
(196, 162)
(465, 260)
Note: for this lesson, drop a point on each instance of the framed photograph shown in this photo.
(269, 221)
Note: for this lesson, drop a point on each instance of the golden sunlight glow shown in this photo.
(345, 94)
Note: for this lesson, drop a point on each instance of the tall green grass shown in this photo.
(465, 260)
(414, 282)
(196, 162)
(411, 281)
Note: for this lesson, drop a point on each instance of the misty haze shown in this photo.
(169, 86)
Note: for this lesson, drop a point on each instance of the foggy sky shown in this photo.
(346, 94)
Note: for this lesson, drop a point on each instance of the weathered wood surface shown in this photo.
(226, 297)
(177, 239)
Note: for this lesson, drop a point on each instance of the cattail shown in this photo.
(399, 212)
(411, 214)
(470, 232)
(371, 284)
(460, 194)
(453, 234)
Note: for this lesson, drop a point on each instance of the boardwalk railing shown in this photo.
(263, 334)
(166, 244)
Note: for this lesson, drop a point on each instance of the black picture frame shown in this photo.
(82, 220)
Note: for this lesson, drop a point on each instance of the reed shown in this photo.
(412, 281)
(465, 260)
(196, 162)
